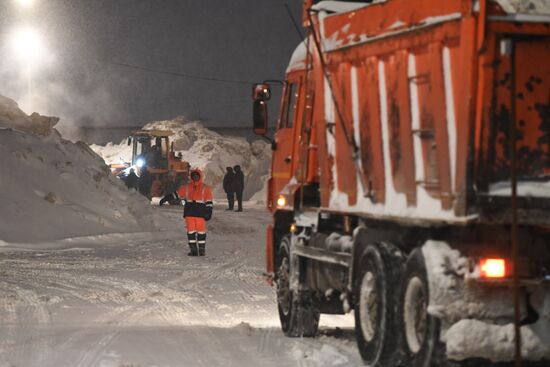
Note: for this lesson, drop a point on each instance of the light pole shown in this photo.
(27, 46)
(29, 49)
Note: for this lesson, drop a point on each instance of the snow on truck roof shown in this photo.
(514, 8)
(341, 6)
(298, 58)
(525, 6)
(509, 6)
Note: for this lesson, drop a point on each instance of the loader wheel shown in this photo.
(375, 299)
(420, 330)
(298, 317)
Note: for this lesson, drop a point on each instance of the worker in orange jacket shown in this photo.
(196, 198)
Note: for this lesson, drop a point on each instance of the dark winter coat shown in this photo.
(144, 183)
(239, 179)
(229, 181)
(196, 198)
(131, 180)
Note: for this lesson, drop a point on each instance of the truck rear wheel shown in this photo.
(377, 277)
(420, 330)
(298, 318)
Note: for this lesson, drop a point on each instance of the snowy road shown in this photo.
(138, 300)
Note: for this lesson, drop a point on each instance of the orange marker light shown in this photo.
(492, 268)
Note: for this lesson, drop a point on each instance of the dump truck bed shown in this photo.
(428, 94)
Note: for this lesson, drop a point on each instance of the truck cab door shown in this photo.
(282, 161)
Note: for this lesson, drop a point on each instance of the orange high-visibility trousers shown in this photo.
(195, 224)
(196, 234)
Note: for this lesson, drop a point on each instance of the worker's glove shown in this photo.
(208, 214)
(182, 201)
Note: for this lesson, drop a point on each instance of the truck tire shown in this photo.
(420, 342)
(378, 276)
(298, 318)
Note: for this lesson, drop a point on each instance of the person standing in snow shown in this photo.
(239, 187)
(145, 181)
(229, 187)
(131, 180)
(196, 198)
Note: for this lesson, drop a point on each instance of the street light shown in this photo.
(27, 44)
(25, 3)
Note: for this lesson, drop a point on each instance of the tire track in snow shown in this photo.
(145, 287)
(8, 334)
(264, 340)
(26, 313)
(96, 351)
(93, 356)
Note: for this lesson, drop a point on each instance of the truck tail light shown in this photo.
(493, 268)
(281, 201)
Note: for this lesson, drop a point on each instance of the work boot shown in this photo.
(201, 240)
(193, 250)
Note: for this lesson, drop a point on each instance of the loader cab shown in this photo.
(150, 150)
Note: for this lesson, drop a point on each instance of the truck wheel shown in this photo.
(420, 330)
(378, 275)
(298, 317)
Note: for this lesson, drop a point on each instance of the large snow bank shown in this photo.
(497, 342)
(51, 188)
(209, 151)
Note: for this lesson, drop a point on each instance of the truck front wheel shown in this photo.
(378, 275)
(298, 317)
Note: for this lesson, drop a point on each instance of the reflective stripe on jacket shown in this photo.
(198, 198)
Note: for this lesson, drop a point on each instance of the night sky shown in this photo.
(80, 79)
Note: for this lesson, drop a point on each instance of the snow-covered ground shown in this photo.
(209, 151)
(92, 275)
(138, 300)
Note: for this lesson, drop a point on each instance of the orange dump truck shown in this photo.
(410, 179)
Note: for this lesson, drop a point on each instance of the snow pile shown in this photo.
(209, 151)
(114, 153)
(11, 116)
(53, 189)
